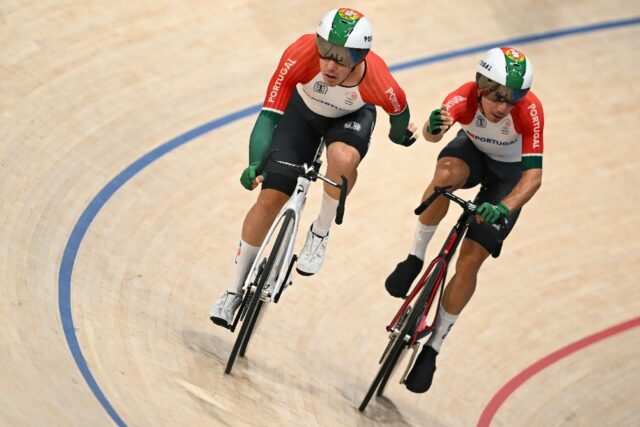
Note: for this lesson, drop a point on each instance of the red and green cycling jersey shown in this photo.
(516, 137)
(299, 69)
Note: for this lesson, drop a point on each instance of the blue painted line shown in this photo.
(534, 38)
(92, 210)
(81, 227)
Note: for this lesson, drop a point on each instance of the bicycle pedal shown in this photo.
(415, 348)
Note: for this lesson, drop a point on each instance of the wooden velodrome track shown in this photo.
(124, 131)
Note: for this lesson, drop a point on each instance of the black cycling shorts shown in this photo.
(298, 135)
(497, 179)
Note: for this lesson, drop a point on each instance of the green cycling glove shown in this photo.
(249, 175)
(491, 213)
(409, 139)
(435, 121)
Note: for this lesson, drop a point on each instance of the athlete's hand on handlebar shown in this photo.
(439, 121)
(489, 213)
(248, 179)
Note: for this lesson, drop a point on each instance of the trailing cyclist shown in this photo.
(326, 86)
(499, 147)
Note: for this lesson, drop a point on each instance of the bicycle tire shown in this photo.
(423, 300)
(254, 305)
(385, 371)
(390, 370)
(254, 320)
(387, 365)
(276, 255)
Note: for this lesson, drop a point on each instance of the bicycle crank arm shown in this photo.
(415, 348)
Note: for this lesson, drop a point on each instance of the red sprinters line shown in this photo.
(501, 396)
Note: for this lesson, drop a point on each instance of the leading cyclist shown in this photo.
(499, 147)
(326, 86)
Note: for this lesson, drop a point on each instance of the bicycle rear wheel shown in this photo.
(256, 303)
(402, 340)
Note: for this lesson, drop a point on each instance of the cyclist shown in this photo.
(500, 147)
(326, 86)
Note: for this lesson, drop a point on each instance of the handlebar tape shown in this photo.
(424, 205)
(341, 201)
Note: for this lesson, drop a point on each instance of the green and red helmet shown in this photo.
(344, 36)
(504, 74)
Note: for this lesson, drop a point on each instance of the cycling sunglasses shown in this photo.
(499, 93)
(347, 57)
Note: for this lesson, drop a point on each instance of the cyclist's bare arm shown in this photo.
(529, 183)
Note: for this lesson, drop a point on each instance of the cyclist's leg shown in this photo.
(481, 239)
(261, 215)
(255, 227)
(463, 283)
(456, 295)
(279, 184)
(500, 179)
(480, 242)
(280, 181)
(459, 166)
(347, 139)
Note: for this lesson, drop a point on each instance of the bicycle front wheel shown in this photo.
(385, 370)
(402, 340)
(273, 260)
(254, 321)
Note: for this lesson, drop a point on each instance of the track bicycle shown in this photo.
(411, 324)
(270, 273)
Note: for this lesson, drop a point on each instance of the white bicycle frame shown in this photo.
(275, 282)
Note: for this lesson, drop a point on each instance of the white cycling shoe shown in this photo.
(225, 308)
(312, 254)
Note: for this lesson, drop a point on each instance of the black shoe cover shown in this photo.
(400, 280)
(421, 375)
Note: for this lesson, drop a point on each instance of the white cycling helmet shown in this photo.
(344, 36)
(504, 74)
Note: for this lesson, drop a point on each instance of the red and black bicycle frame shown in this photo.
(443, 258)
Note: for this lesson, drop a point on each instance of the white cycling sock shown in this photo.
(328, 208)
(421, 238)
(444, 323)
(244, 258)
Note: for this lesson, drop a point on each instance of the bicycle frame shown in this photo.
(444, 257)
(409, 325)
(295, 204)
(270, 272)
(278, 278)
